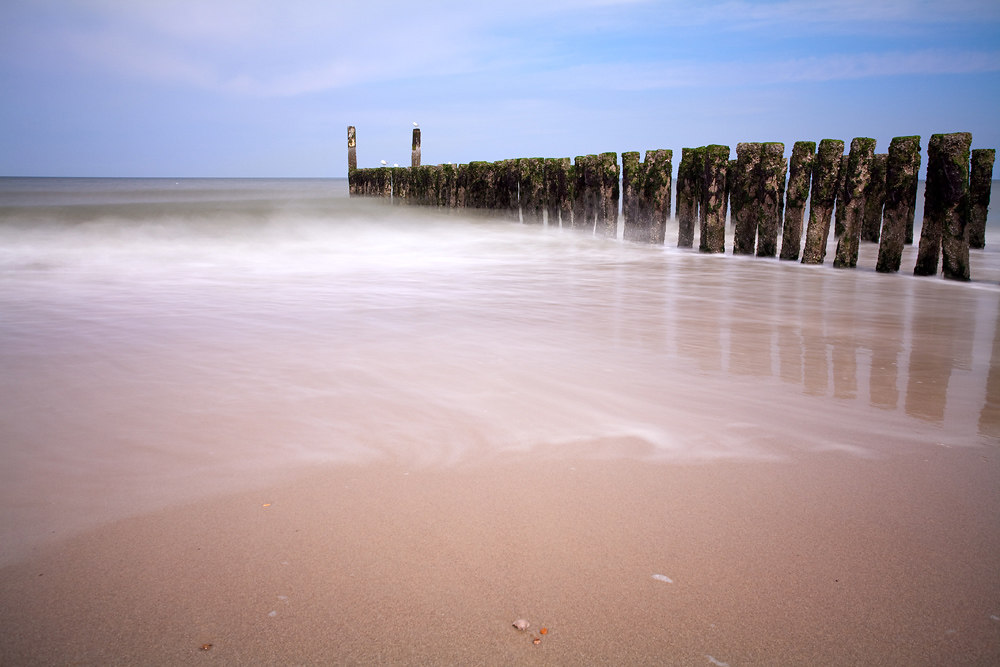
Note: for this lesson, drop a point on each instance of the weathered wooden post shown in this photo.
(633, 176)
(800, 171)
(448, 186)
(415, 150)
(824, 191)
(505, 180)
(461, 185)
(712, 236)
(743, 198)
(654, 195)
(689, 177)
(840, 201)
(871, 227)
(773, 167)
(531, 189)
(609, 194)
(859, 169)
(352, 160)
(587, 204)
(980, 184)
(901, 170)
(558, 203)
(946, 202)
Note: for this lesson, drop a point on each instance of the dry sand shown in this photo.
(817, 559)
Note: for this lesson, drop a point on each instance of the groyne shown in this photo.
(868, 197)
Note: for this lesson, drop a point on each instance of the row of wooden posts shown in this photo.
(766, 194)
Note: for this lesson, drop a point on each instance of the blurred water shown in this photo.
(161, 340)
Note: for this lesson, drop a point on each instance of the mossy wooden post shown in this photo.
(839, 202)
(506, 178)
(531, 189)
(654, 196)
(773, 167)
(448, 186)
(980, 184)
(859, 171)
(476, 184)
(587, 205)
(633, 176)
(871, 227)
(743, 198)
(826, 171)
(609, 195)
(352, 159)
(946, 202)
(901, 170)
(689, 176)
(799, 173)
(557, 199)
(730, 178)
(415, 150)
(461, 185)
(712, 236)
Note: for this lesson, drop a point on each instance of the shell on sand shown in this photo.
(521, 624)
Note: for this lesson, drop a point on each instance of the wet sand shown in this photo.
(816, 559)
(323, 432)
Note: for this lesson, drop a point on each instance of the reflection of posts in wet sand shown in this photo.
(750, 330)
(845, 358)
(989, 416)
(934, 351)
(699, 332)
(886, 343)
(789, 319)
(816, 375)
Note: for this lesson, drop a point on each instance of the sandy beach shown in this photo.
(335, 433)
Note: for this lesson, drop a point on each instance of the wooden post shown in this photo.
(743, 199)
(713, 198)
(773, 167)
(352, 159)
(689, 177)
(840, 199)
(531, 186)
(871, 227)
(946, 202)
(859, 169)
(633, 177)
(980, 184)
(901, 170)
(800, 171)
(824, 191)
(609, 194)
(557, 200)
(654, 196)
(415, 150)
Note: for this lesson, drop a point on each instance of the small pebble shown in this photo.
(536, 641)
(205, 647)
(521, 624)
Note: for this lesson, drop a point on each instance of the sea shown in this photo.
(164, 340)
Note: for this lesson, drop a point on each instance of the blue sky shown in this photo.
(267, 88)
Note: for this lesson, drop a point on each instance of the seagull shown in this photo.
(383, 163)
(414, 123)
(394, 164)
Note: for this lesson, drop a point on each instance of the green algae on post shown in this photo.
(557, 203)
(713, 198)
(530, 189)
(689, 176)
(980, 184)
(901, 170)
(799, 173)
(824, 191)
(859, 165)
(654, 195)
(839, 201)
(744, 200)
(633, 175)
(608, 195)
(946, 202)
(871, 225)
(772, 178)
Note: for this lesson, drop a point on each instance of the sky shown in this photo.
(267, 88)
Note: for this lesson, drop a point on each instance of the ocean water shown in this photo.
(164, 340)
